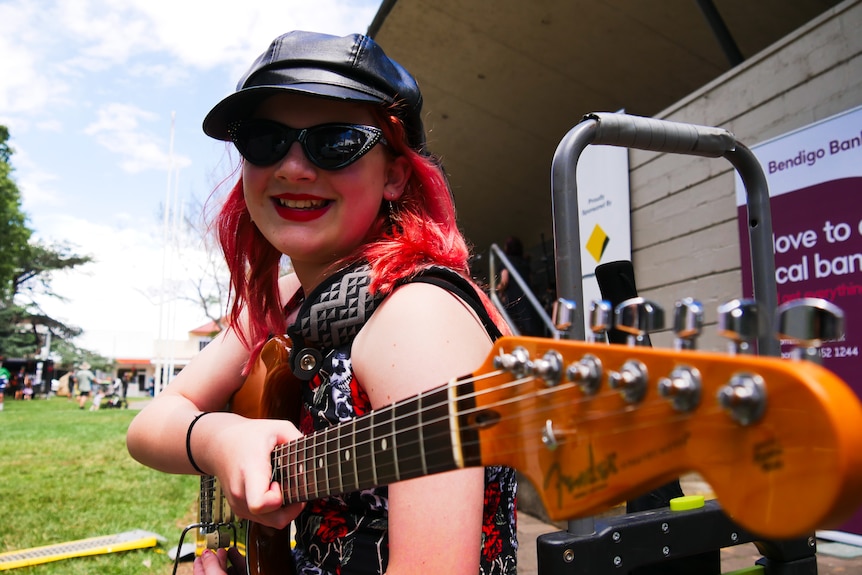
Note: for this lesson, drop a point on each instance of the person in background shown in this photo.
(520, 311)
(5, 375)
(124, 389)
(27, 391)
(84, 379)
(336, 176)
(71, 380)
(20, 383)
(98, 396)
(16, 383)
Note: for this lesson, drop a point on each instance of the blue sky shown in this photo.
(90, 90)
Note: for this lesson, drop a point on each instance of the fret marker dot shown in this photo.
(320, 462)
(383, 444)
(347, 455)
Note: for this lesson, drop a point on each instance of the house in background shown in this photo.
(169, 358)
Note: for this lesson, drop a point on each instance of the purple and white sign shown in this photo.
(815, 186)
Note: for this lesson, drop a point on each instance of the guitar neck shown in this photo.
(591, 425)
(412, 438)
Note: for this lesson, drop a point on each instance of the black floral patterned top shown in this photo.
(347, 534)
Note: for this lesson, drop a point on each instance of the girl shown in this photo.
(336, 177)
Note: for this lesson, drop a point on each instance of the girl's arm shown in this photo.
(421, 337)
(233, 448)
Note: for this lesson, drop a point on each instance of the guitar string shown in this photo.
(307, 465)
(332, 434)
(297, 468)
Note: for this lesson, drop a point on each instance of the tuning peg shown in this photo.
(516, 362)
(601, 317)
(631, 380)
(549, 368)
(740, 322)
(682, 387)
(744, 398)
(687, 322)
(638, 317)
(809, 323)
(563, 314)
(586, 373)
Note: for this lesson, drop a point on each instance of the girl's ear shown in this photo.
(398, 172)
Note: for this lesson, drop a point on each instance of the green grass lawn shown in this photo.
(65, 475)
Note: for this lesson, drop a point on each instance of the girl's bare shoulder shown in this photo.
(420, 337)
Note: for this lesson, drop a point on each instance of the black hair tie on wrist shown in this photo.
(189, 443)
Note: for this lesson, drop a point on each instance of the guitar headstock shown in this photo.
(591, 425)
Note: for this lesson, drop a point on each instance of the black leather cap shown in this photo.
(351, 68)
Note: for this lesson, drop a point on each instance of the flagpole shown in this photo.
(161, 358)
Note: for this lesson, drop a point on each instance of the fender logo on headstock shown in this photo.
(593, 475)
(769, 455)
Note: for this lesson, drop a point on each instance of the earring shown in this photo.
(394, 208)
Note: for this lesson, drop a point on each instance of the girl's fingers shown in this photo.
(211, 563)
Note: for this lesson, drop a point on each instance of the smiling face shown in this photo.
(312, 215)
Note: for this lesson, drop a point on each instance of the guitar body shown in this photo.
(218, 526)
(270, 391)
(269, 550)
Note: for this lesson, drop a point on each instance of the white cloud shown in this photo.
(27, 85)
(223, 34)
(117, 298)
(38, 188)
(118, 128)
(50, 126)
(60, 39)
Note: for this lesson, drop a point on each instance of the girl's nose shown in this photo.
(295, 165)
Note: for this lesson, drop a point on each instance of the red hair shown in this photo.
(421, 233)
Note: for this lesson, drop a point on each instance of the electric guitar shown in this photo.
(591, 425)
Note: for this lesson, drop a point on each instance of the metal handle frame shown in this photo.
(660, 136)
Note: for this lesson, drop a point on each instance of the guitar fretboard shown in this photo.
(412, 438)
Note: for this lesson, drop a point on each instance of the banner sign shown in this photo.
(604, 214)
(815, 185)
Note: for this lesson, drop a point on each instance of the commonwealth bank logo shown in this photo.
(597, 243)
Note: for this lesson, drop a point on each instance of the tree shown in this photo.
(71, 355)
(15, 340)
(207, 279)
(26, 269)
(35, 269)
(207, 273)
(14, 233)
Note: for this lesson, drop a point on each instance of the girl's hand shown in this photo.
(238, 451)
